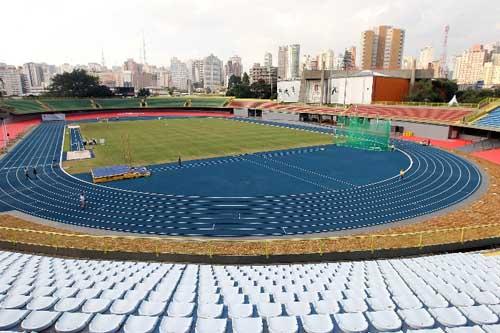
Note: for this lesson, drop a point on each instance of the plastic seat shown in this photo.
(124, 306)
(433, 300)
(71, 322)
(460, 299)
(429, 330)
(449, 317)
(473, 329)
(282, 324)
(234, 299)
(15, 301)
(317, 323)
(247, 325)
(112, 294)
(240, 310)
(267, 310)
(176, 324)
(69, 304)
(43, 291)
(283, 297)
(210, 310)
(66, 292)
(257, 297)
(407, 302)
(354, 305)
(106, 323)
(417, 318)
(380, 303)
(140, 324)
(210, 325)
(351, 322)
(479, 315)
(491, 328)
(386, 320)
(326, 307)
(208, 298)
(96, 305)
(150, 308)
(41, 303)
(184, 297)
(39, 320)
(178, 309)
(485, 297)
(298, 308)
(335, 295)
(11, 317)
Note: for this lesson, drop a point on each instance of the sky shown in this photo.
(76, 32)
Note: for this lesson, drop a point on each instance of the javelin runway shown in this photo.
(436, 180)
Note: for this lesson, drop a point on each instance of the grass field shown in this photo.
(162, 141)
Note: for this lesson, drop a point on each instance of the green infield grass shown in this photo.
(146, 142)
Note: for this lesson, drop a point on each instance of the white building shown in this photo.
(10, 80)
(212, 73)
(326, 60)
(233, 67)
(268, 59)
(469, 65)
(34, 76)
(425, 58)
(179, 76)
(293, 60)
(408, 62)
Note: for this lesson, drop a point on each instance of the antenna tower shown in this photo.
(443, 68)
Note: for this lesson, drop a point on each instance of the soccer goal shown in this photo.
(364, 133)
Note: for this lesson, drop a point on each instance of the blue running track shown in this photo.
(435, 180)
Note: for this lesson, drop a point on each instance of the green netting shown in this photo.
(364, 133)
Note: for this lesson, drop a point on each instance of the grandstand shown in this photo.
(23, 106)
(491, 119)
(64, 104)
(117, 103)
(453, 293)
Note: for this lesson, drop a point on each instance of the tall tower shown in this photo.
(103, 62)
(443, 69)
(143, 49)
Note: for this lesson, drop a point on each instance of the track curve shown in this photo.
(435, 180)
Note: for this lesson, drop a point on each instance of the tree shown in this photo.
(233, 81)
(143, 92)
(245, 79)
(77, 84)
(475, 96)
(435, 91)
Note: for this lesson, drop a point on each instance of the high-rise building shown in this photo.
(382, 48)
(293, 60)
(179, 76)
(268, 59)
(10, 80)
(263, 73)
(326, 60)
(195, 69)
(491, 71)
(469, 65)
(34, 76)
(352, 53)
(282, 62)
(212, 73)
(233, 67)
(408, 62)
(426, 57)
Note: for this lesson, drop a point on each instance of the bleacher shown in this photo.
(492, 119)
(453, 293)
(407, 112)
(65, 104)
(214, 102)
(23, 106)
(166, 101)
(117, 103)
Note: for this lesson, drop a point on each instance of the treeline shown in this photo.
(443, 90)
(240, 87)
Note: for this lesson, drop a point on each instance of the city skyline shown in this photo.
(183, 29)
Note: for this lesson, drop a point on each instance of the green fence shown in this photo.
(364, 133)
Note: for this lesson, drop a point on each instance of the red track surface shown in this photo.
(448, 144)
(16, 129)
(122, 114)
(492, 155)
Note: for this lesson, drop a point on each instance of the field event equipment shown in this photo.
(118, 172)
(364, 133)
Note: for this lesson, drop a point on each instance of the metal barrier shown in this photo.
(252, 247)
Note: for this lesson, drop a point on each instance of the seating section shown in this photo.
(445, 293)
(117, 103)
(492, 119)
(23, 106)
(65, 104)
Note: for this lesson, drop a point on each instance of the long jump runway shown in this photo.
(435, 180)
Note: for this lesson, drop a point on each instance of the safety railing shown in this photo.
(251, 247)
(460, 105)
(486, 105)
